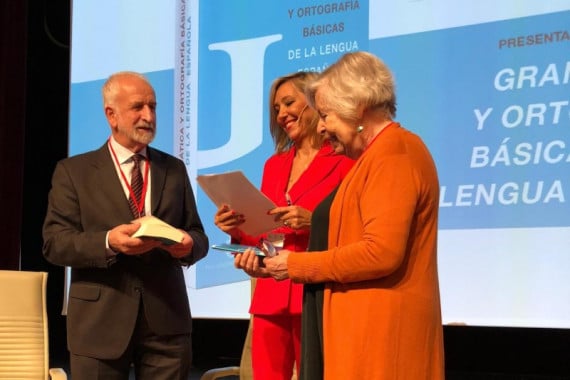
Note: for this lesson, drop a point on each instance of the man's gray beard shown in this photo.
(142, 137)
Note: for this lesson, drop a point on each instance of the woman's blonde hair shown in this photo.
(358, 81)
(300, 80)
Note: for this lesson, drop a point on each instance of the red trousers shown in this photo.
(275, 346)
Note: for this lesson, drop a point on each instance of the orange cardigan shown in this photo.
(381, 312)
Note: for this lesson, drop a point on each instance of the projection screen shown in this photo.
(486, 84)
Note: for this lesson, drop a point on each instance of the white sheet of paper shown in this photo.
(234, 189)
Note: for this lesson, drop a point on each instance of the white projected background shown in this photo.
(485, 84)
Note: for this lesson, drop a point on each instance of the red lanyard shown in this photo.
(138, 202)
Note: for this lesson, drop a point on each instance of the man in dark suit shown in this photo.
(127, 301)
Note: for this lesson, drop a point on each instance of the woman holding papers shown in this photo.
(303, 171)
(381, 310)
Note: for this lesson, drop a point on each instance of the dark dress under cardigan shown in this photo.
(312, 316)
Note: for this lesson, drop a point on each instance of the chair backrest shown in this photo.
(24, 350)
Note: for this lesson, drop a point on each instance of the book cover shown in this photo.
(154, 228)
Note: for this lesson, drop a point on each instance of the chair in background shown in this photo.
(24, 349)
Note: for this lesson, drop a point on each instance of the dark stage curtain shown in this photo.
(13, 37)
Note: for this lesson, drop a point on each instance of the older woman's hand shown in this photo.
(276, 266)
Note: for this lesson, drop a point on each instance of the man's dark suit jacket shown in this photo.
(86, 201)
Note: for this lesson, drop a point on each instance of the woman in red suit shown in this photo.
(301, 173)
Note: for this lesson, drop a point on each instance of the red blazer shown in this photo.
(325, 172)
